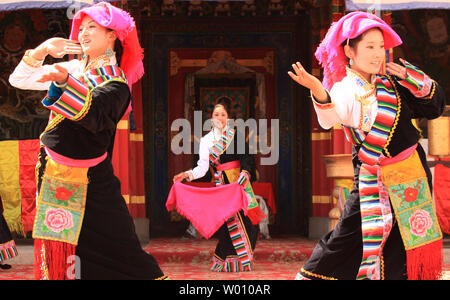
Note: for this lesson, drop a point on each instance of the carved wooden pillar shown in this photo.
(340, 168)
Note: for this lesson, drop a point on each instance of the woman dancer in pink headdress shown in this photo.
(220, 151)
(83, 229)
(388, 229)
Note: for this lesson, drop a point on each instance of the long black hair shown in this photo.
(117, 48)
(226, 104)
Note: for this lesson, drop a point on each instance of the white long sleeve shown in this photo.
(206, 143)
(345, 107)
(326, 113)
(25, 77)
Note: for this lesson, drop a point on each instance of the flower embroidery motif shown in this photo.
(420, 222)
(411, 194)
(63, 194)
(58, 219)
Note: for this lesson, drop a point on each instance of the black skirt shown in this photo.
(108, 246)
(226, 258)
(338, 254)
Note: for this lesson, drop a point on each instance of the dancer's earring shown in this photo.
(109, 52)
(350, 62)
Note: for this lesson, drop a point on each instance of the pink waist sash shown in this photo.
(399, 157)
(80, 163)
(229, 165)
(207, 208)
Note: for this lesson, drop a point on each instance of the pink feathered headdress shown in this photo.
(330, 52)
(123, 25)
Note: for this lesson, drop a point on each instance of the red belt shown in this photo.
(229, 166)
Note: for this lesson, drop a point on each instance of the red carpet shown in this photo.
(275, 259)
(17, 272)
(201, 251)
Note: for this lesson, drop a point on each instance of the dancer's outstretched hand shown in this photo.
(396, 69)
(302, 77)
(309, 81)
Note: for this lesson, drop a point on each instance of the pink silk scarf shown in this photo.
(207, 208)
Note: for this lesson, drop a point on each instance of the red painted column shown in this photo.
(320, 139)
(136, 158)
(128, 158)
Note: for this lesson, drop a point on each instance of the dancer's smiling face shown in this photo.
(220, 116)
(95, 39)
(367, 53)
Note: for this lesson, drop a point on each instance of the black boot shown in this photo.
(5, 266)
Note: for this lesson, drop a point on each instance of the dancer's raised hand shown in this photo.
(56, 47)
(309, 81)
(397, 70)
(302, 77)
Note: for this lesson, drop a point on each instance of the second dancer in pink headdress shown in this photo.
(388, 229)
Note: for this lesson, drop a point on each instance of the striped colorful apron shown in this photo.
(375, 194)
(239, 238)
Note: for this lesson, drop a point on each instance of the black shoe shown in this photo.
(188, 236)
(5, 266)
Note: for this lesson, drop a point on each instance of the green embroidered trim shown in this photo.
(60, 210)
(415, 213)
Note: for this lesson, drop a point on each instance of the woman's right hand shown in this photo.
(56, 47)
(309, 81)
(302, 77)
(179, 177)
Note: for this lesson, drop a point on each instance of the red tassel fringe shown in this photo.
(425, 262)
(56, 254)
(256, 215)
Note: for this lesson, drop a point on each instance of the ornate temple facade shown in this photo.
(195, 53)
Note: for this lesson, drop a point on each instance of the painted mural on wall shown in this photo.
(21, 114)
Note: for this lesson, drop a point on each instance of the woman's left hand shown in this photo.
(58, 74)
(397, 70)
(180, 177)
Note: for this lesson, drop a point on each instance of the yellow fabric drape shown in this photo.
(10, 185)
(62, 196)
(233, 174)
(409, 193)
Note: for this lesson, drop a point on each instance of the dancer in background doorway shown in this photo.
(237, 237)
